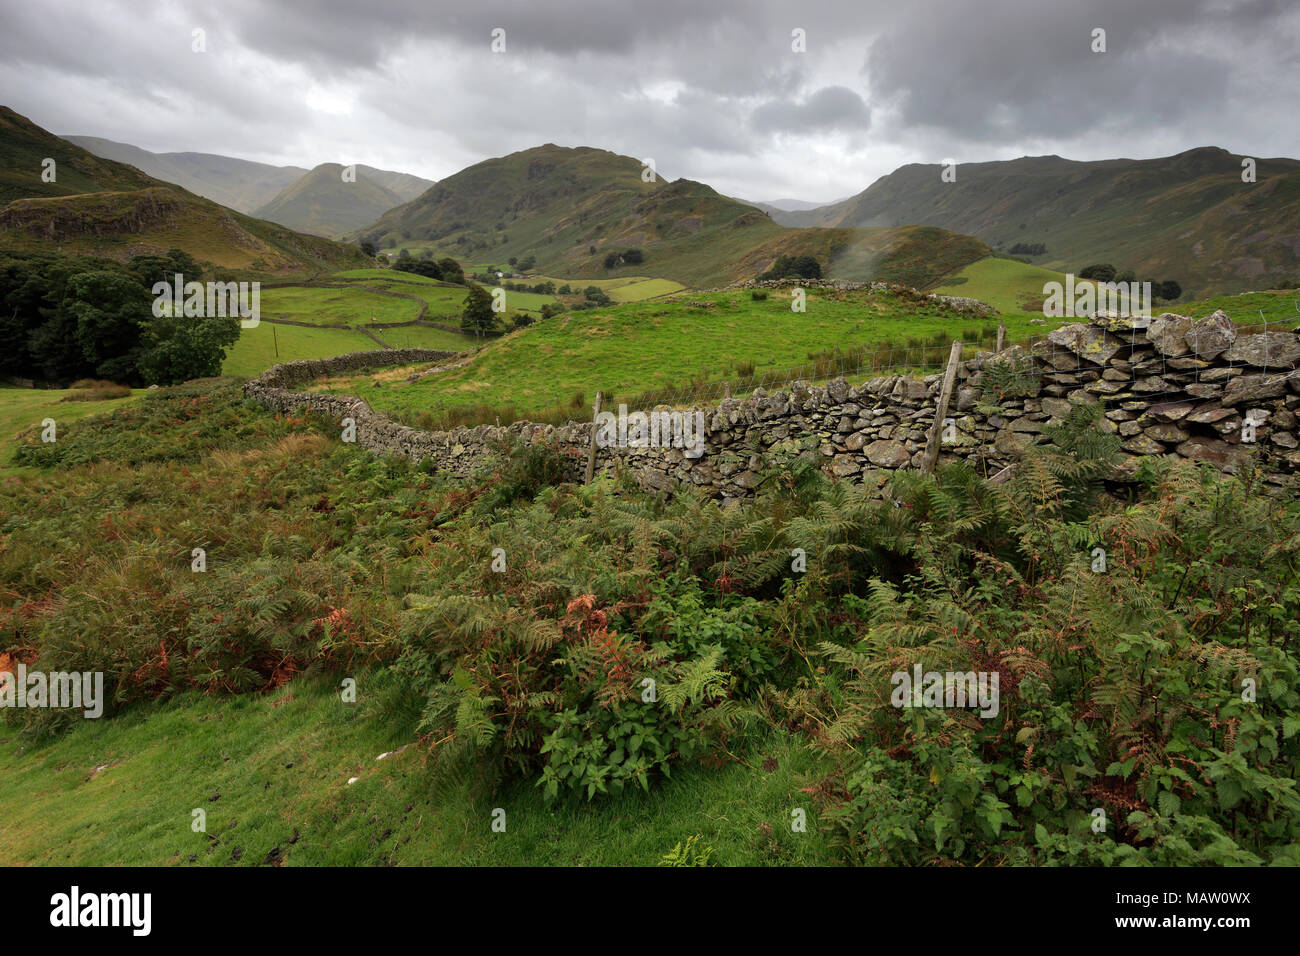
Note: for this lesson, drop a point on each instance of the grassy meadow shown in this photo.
(677, 343)
(1007, 285)
(271, 773)
(22, 409)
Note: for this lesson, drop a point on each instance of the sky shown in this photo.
(762, 100)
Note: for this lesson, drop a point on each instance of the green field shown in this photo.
(25, 408)
(639, 290)
(620, 289)
(336, 306)
(269, 344)
(387, 275)
(272, 781)
(1279, 308)
(629, 349)
(1005, 284)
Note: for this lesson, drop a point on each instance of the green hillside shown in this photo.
(24, 148)
(569, 209)
(1187, 217)
(323, 204)
(553, 369)
(101, 207)
(241, 184)
(1007, 285)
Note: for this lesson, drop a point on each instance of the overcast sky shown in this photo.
(710, 89)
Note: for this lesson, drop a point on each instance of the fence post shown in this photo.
(941, 410)
(1002, 335)
(591, 450)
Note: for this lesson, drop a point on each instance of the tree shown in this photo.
(1101, 272)
(368, 248)
(419, 267)
(477, 315)
(153, 268)
(1170, 290)
(108, 308)
(451, 271)
(527, 262)
(806, 267)
(794, 267)
(404, 254)
(176, 348)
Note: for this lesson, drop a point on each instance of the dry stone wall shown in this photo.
(1199, 390)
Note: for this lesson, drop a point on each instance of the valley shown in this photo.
(367, 585)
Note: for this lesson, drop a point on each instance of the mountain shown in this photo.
(238, 183)
(99, 206)
(1187, 217)
(777, 206)
(404, 185)
(570, 207)
(324, 204)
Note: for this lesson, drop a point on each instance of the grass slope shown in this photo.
(625, 350)
(1005, 284)
(270, 769)
(100, 207)
(1187, 217)
(23, 409)
(270, 772)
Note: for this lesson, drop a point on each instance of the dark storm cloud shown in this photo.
(711, 90)
(833, 107)
(1030, 68)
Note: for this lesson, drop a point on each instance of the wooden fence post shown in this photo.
(941, 410)
(591, 450)
(1002, 335)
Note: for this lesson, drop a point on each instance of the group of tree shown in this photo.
(1167, 290)
(794, 267)
(1028, 249)
(628, 257)
(64, 318)
(447, 269)
(593, 298)
(540, 288)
